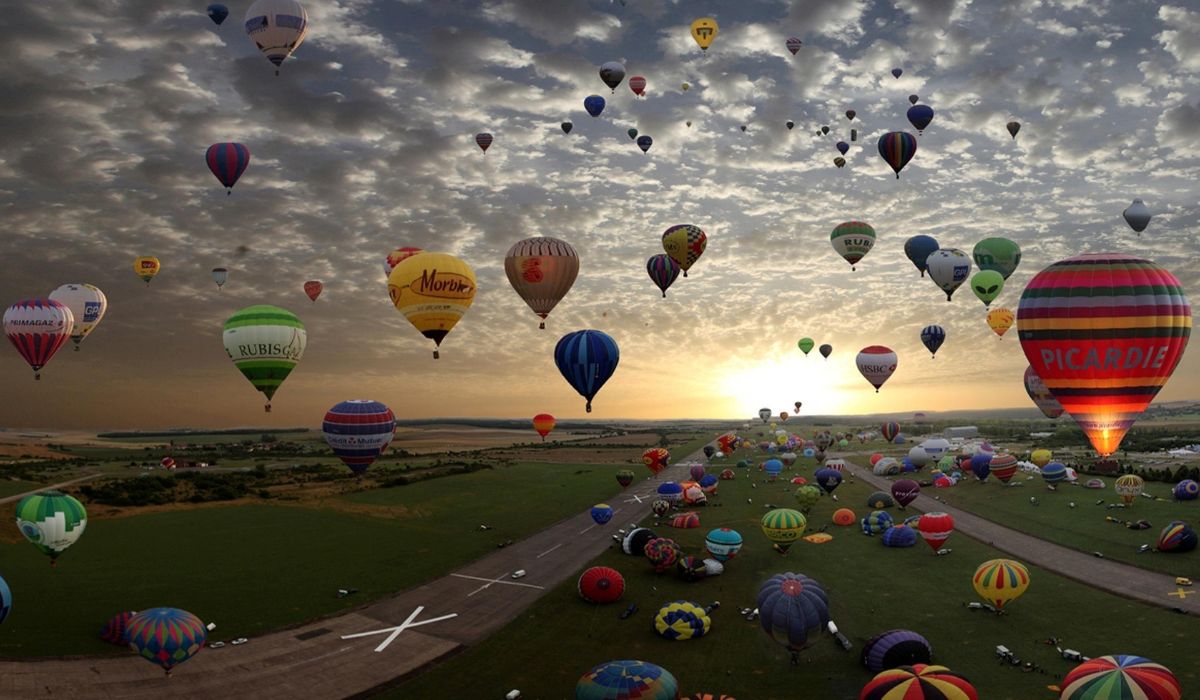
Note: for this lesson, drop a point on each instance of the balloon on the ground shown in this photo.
(685, 243)
(918, 456)
(1003, 466)
(433, 291)
(1000, 319)
(935, 528)
(905, 491)
(877, 522)
(981, 465)
(852, 240)
(844, 517)
(116, 629)
(1177, 536)
(918, 682)
(1054, 472)
(358, 431)
(1186, 490)
(899, 536)
(895, 648)
(601, 513)
(723, 543)
(265, 343)
(897, 148)
(948, 268)
(37, 328)
(635, 541)
(587, 359)
(1106, 368)
(876, 363)
(1120, 676)
(1000, 581)
(682, 620)
(807, 497)
(828, 479)
(782, 527)
(541, 270)
(793, 610)
(1129, 487)
(52, 521)
(998, 255)
(166, 636)
(5, 599)
(627, 680)
(685, 521)
(691, 569)
(601, 585)
(1137, 215)
(662, 553)
(277, 28)
(656, 459)
(918, 249)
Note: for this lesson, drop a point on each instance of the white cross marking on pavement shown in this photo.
(395, 631)
(635, 498)
(490, 581)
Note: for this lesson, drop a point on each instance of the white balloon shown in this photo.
(948, 268)
(277, 27)
(87, 305)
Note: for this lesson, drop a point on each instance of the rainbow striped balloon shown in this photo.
(1001, 581)
(1121, 676)
(919, 681)
(166, 636)
(1104, 332)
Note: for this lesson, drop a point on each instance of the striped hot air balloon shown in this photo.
(37, 328)
(1003, 466)
(895, 648)
(1104, 332)
(52, 521)
(166, 636)
(227, 161)
(587, 359)
(663, 271)
(627, 680)
(685, 243)
(1118, 677)
(265, 344)
(1001, 581)
(918, 681)
(852, 240)
(358, 431)
(601, 584)
(541, 270)
(897, 148)
(782, 527)
(936, 528)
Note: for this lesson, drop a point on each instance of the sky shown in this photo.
(365, 143)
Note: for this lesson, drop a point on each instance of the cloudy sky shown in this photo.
(365, 143)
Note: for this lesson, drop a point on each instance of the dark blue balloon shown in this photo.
(644, 143)
(218, 13)
(594, 104)
(843, 147)
(919, 248)
(899, 537)
(707, 480)
(587, 359)
(828, 479)
(933, 337)
(981, 465)
(920, 116)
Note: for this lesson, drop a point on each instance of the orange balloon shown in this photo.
(543, 423)
(844, 516)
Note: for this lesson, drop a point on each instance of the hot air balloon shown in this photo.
(682, 620)
(918, 249)
(842, 147)
(612, 73)
(541, 270)
(1120, 676)
(905, 491)
(1137, 215)
(790, 124)
(483, 140)
(626, 680)
(897, 148)
(918, 682)
(897, 72)
(890, 430)
(1129, 487)
(948, 268)
(217, 13)
(981, 465)
(37, 328)
(1041, 396)
(594, 104)
(920, 116)
(826, 350)
(807, 497)
(932, 338)
(987, 285)
(116, 630)
(265, 344)
(895, 647)
(662, 553)
(704, 30)
(398, 256)
(685, 243)
(277, 28)
(1000, 581)
(997, 254)
(1106, 369)
(632, 134)
(566, 127)
(227, 161)
(1003, 466)
(798, 405)
(87, 304)
(1186, 490)
(635, 541)
(313, 289)
(685, 87)
(656, 459)
(601, 585)
(793, 44)
(543, 423)
(638, 84)
(1053, 473)
(146, 267)
(852, 240)
(793, 610)
(52, 521)
(876, 363)
(1000, 320)
(644, 143)
(850, 114)
(358, 431)
(167, 462)
(877, 522)
(1176, 537)
(587, 359)
(723, 543)
(220, 275)
(764, 414)
(824, 131)
(166, 636)
(839, 161)
(935, 528)
(625, 477)
(805, 345)
(1013, 128)
(433, 291)
(601, 513)
(782, 527)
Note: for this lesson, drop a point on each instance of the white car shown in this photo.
(519, 573)
(239, 640)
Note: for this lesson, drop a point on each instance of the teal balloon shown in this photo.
(998, 254)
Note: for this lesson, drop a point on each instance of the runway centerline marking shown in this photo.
(549, 550)
(589, 527)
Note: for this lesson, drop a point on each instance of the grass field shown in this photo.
(13, 487)
(872, 588)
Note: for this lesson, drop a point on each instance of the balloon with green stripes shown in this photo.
(52, 521)
(265, 344)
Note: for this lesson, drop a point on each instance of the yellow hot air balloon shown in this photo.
(1000, 320)
(704, 30)
(1001, 581)
(433, 291)
(1129, 487)
(146, 268)
(1041, 457)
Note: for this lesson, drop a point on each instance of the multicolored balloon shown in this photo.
(1104, 332)
(1176, 537)
(37, 328)
(587, 359)
(656, 459)
(1129, 487)
(932, 338)
(627, 680)
(601, 513)
(1003, 466)
(1000, 581)
(433, 291)
(359, 431)
(146, 267)
(793, 610)
(1041, 396)
(682, 620)
(663, 271)
(543, 423)
(541, 270)
(876, 363)
(1120, 676)
(685, 243)
(52, 521)
(783, 526)
(897, 148)
(227, 161)
(265, 343)
(625, 477)
(916, 682)
(852, 240)
(166, 636)
(1000, 320)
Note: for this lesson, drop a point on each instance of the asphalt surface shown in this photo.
(314, 661)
